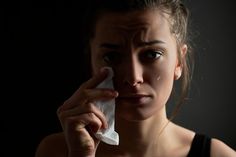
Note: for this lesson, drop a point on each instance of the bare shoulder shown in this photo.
(184, 134)
(53, 145)
(183, 138)
(220, 149)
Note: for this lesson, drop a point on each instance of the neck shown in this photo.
(136, 135)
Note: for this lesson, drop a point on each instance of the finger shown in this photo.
(80, 130)
(86, 108)
(101, 94)
(96, 79)
(80, 94)
(83, 121)
(89, 95)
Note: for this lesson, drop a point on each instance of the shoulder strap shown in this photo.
(201, 146)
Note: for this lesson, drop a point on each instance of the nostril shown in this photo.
(133, 83)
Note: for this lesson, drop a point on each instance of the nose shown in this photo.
(133, 72)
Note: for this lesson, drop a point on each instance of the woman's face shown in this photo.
(143, 54)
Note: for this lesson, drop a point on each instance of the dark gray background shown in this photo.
(211, 108)
(43, 67)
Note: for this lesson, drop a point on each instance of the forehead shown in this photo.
(137, 25)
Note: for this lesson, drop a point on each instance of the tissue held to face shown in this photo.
(143, 54)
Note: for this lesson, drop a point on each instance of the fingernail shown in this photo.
(116, 94)
(112, 93)
(103, 69)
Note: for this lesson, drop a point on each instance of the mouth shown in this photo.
(136, 99)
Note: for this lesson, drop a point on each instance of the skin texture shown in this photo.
(136, 70)
(143, 54)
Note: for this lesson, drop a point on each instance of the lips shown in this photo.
(134, 95)
(135, 98)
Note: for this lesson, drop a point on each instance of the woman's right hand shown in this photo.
(80, 118)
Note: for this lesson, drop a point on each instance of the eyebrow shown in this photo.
(110, 46)
(141, 44)
(149, 43)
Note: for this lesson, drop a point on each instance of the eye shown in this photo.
(111, 57)
(152, 54)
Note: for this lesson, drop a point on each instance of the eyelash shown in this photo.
(149, 54)
(152, 52)
(110, 57)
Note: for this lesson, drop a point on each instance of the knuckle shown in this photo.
(83, 96)
(91, 115)
(71, 122)
(75, 124)
(90, 107)
(66, 102)
(85, 93)
(78, 126)
(83, 86)
(61, 116)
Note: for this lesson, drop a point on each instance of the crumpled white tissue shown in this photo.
(109, 135)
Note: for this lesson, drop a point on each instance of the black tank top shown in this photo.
(200, 146)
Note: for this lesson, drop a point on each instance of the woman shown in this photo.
(145, 42)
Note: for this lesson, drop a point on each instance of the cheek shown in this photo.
(160, 74)
(162, 82)
(96, 60)
(96, 64)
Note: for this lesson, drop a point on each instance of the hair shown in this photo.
(178, 19)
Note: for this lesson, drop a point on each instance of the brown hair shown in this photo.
(178, 18)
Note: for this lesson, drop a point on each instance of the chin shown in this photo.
(135, 114)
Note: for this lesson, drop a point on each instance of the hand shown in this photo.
(80, 118)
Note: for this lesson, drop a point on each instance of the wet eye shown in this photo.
(152, 54)
(111, 57)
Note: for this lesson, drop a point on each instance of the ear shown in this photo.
(179, 63)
